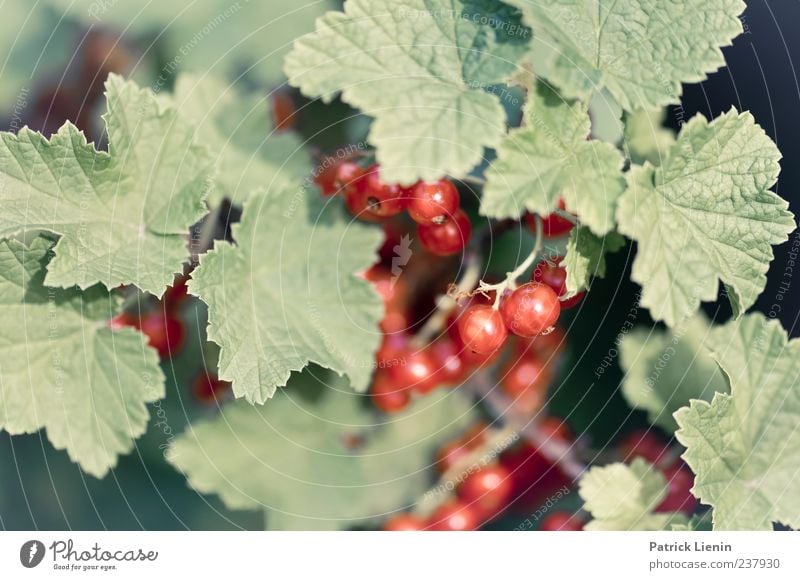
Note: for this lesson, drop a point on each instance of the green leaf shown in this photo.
(226, 37)
(622, 497)
(705, 215)
(63, 369)
(238, 130)
(122, 216)
(319, 460)
(645, 137)
(286, 293)
(664, 370)
(550, 158)
(744, 447)
(639, 50)
(585, 257)
(420, 68)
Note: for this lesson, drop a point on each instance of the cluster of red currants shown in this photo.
(442, 227)
(518, 476)
(162, 325)
(166, 332)
(528, 311)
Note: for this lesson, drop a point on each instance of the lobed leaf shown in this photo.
(421, 69)
(122, 216)
(286, 293)
(705, 215)
(63, 369)
(550, 158)
(317, 457)
(744, 447)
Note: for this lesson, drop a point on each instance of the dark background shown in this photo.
(41, 488)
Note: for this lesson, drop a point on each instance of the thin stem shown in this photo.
(566, 215)
(446, 302)
(479, 181)
(557, 452)
(511, 277)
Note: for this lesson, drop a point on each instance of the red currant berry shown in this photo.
(561, 522)
(455, 516)
(123, 320)
(554, 275)
(391, 349)
(387, 396)
(447, 238)
(381, 199)
(530, 309)
(488, 490)
(431, 203)
(481, 329)
(176, 294)
(333, 175)
(526, 381)
(405, 523)
(648, 445)
(553, 225)
(416, 371)
(392, 289)
(163, 332)
(356, 203)
(679, 483)
(208, 389)
(450, 368)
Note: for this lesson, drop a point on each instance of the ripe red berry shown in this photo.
(561, 522)
(432, 202)
(405, 523)
(454, 516)
(481, 329)
(356, 203)
(392, 348)
(530, 309)
(207, 388)
(333, 175)
(487, 490)
(387, 396)
(553, 225)
(163, 332)
(450, 368)
(176, 294)
(416, 371)
(392, 289)
(380, 199)
(526, 380)
(447, 238)
(679, 483)
(551, 273)
(648, 445)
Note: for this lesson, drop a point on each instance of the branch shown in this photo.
(555, 451)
